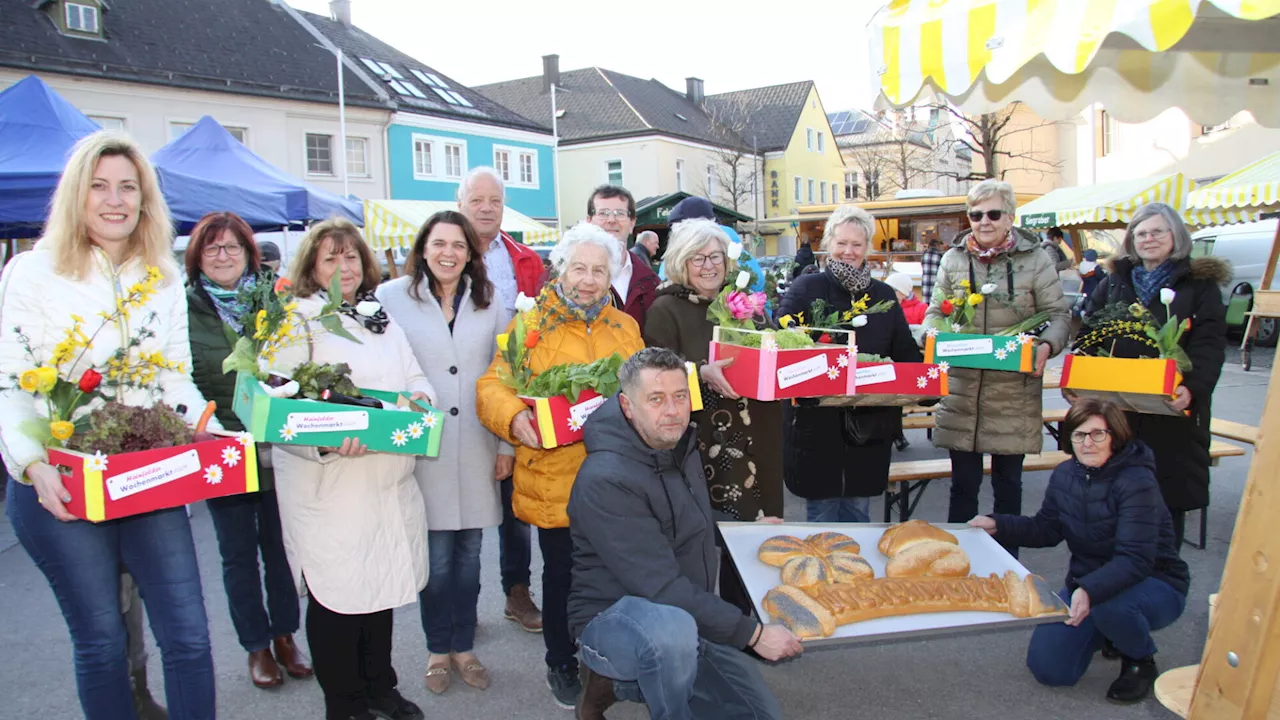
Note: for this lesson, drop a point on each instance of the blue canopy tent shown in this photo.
(207, 154)
(38, 128)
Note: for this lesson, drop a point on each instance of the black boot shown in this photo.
(1135, 681)
(1109, 650)
(901, 443)
(143, 704)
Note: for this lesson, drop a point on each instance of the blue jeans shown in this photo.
(515, 544)
(246, 525)
(680, 675)
(1059, 654)
(841, 509)
(448, 602)
(82, 562)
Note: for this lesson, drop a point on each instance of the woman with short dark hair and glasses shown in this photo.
(991, 411)
(1125, 578)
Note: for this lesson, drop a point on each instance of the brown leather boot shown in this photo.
(293, 659)
(143, 704)
(263, 670)
(597, 696)
(521, 609)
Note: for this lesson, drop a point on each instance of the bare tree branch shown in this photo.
(987, 135)
(734, 174)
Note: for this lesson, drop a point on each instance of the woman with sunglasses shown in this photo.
(1125, 578)
(991, 411)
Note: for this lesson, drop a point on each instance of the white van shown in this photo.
(1247, 246)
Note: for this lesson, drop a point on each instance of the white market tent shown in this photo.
(1110, 205)
(395, 223)
(1253, 187)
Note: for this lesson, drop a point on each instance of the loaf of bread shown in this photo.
(777, 550)
(932, 558)
(805, 571)
(817, 612)
(904, 535)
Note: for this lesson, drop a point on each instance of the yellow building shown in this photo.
(788, 125)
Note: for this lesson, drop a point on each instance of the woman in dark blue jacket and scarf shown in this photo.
(1125, 578)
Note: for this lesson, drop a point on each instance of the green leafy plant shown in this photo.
(314, 378)
(117, 428)
(570, 379)
(1135, 322)
(271, 323)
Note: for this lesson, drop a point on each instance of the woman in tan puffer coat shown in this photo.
(991, 411)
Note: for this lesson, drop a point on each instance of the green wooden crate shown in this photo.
(981, 352)
(308, 422)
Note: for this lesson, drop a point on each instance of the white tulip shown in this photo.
(744, 278)
(735, 250)
(859, 320)
(988, 288)
(524, 303)
(368, 308)
(286, 390)
(1167, 295)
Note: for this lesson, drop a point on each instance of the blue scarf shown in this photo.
(589, 313)
(1147, 283)
(227, 302)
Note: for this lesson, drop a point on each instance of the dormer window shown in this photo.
(82, 18)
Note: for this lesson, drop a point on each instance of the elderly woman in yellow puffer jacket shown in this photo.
(585, 261)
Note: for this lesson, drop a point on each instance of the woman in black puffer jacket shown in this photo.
(1125, 578)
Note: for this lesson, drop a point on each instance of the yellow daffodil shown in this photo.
(964, 284)
(502, 342)
(29, 380)
(46, 378)
(974, 299)
(61, 429)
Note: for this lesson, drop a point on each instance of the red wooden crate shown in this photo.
(768, 373)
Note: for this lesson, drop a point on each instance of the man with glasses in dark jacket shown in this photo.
(643, 604)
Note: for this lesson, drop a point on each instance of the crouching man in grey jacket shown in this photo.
(643, 604)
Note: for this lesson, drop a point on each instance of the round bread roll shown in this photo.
(904, 535)
(848, 568)
(933, 558)
(777, 550)
(807, 571)
(829, 542)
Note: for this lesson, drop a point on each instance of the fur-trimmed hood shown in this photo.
(1215, 269)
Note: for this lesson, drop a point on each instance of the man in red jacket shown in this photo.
(635, 285)
(513, 269)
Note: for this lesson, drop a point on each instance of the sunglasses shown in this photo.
(992, 215)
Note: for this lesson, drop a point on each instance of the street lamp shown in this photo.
(342, 119)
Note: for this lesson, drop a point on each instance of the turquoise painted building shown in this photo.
(429, 156)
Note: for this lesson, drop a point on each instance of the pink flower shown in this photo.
(739, 305)
(757, 301)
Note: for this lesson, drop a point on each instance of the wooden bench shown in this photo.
(909, 478)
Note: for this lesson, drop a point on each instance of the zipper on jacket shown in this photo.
(117, 292)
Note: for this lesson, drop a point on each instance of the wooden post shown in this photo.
(1238, 673)
(391, 264)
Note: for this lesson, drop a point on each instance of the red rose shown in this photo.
(825, 338)
(90, 380)
(947, 307)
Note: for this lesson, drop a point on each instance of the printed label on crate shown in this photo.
(873, 374)
(580, 411)
(305, 422)
(153, 475)
(977, 346)
(796, 373)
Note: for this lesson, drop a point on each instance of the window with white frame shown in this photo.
(822, 192)
(518, 166)
(822, 141)
(810, 191)
(502, 163)
(679, 174)
(613, 172)
(455, 163)
(424, 161)
(808, 139)
(108, 122)
(438, 158)
(527, 168)
(82, 18)
(851, 185)
(1108, 133)
(357, 157)
(797, 188)
(319, 154)
(711, 181)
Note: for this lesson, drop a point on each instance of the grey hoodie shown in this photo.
(642, 525)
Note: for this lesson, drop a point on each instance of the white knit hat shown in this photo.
(900, 282)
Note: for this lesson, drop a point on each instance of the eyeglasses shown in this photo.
(715, 258)
(1151, 234)
(992, 215)
(211, 251)
(606, 214)
(1096, 436)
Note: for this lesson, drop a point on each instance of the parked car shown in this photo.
(1247, 246)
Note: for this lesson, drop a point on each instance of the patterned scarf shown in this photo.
(986, 255)
(1147, 283)
(227, 302)
(588, 313)
(375, 323)
(854, 278)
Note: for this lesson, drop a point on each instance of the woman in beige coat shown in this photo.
(354, 525)
(991, 411)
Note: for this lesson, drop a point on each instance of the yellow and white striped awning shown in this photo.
(1113, 204)
(1137, 57)
(1255, 187)
(395, 223)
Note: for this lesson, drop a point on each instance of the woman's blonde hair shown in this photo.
(344, 234)
(849, 214)
(65, 233)
(992, 188)
(687, 238)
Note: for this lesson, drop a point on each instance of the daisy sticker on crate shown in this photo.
(1147, 383)
(957, 340)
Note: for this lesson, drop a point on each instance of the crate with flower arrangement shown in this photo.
(955, 340)
(563, 396)
(119, 460)
(1146, 384)
(317, 404)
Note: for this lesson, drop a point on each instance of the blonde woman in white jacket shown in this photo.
(355, 528)
(108, 224)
